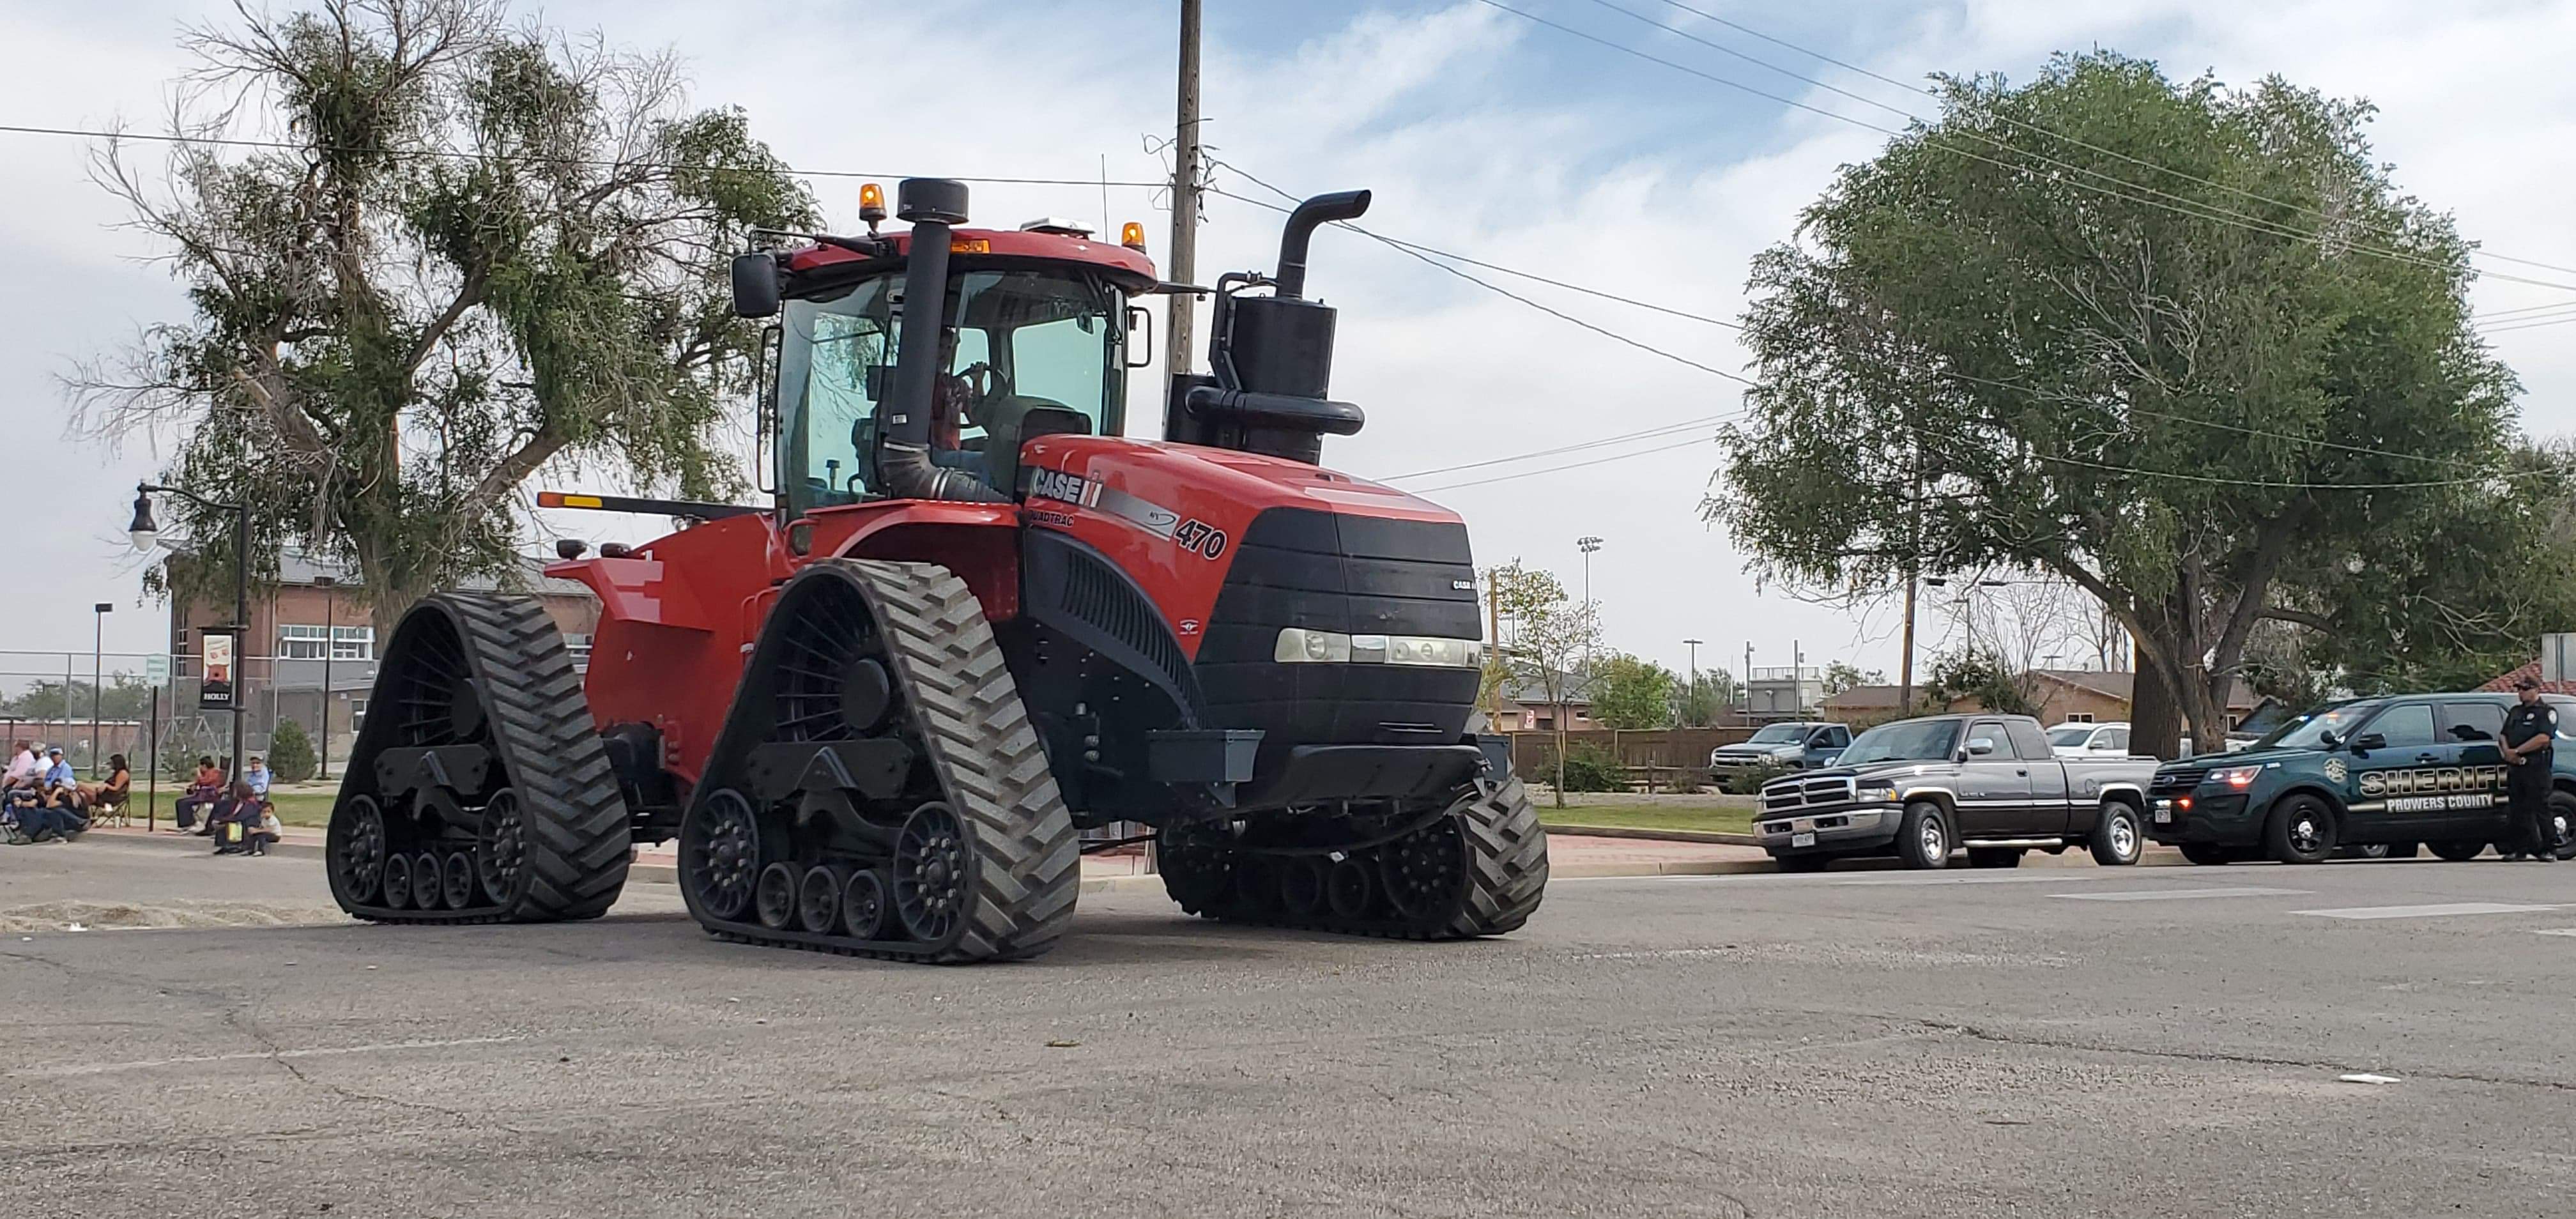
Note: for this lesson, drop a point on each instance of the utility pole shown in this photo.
(97, 683)
(1182, 264)
(1494, 631)
(1905, 668)
(1588, 544)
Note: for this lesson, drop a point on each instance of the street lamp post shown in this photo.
(1587, 544)
(97, 641)
(1694, 670)
(144, 532)
(330, 643)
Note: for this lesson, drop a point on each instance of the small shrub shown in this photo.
(1749, 781)
(1592, 769)
(1685, 781)
(290, 752)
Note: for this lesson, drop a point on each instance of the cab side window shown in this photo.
(2115, 740)
(2029, 741)
(1837, 737)
(2473, 721)
(2405, 726)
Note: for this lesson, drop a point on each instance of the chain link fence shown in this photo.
(93, 704)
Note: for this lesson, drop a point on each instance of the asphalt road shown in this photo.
(2049, 1041)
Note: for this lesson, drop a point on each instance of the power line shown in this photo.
(503, 158)
(1622, 438)
(2181, 206)
(1500, 478)
(2258, 482)
(2029, 126)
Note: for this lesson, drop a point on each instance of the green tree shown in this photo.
(486, 250)
(127, 698)
(1842, 675)
(1972, 358)
(290, 752)
(1628, 692)
(1549, 641)
(1974, 673)
(1702, 704)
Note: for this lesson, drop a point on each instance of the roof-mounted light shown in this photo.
(872, 204)
(1132, 236)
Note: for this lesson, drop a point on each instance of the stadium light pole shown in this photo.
(97, 646)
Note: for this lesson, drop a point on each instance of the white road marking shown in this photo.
(2161, 895)
(1975, 878)
(2437, 910)
(105, 1068)
(2554, 931)
(2367, 1077)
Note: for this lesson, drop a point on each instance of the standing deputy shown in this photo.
(2528, 731)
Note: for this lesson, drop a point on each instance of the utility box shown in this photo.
(1784, 692)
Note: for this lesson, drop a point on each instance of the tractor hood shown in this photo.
(1198, 482)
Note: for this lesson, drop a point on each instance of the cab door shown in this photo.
(1994, 784)
(2396, 761)
(2476, 729)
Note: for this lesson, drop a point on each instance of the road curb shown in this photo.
(1717, 837)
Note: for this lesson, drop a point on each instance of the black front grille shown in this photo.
(1072, 588)
(2176, 781)
(1354, 575)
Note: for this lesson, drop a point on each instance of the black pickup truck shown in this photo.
(1920, 788)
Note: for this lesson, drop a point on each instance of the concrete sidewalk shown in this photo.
(1569, 856)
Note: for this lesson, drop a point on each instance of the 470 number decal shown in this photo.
(1197, 536)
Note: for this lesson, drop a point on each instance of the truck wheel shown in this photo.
(2302, 830)
(2562, 823)
(1994, 857)
(2458, 851)
(1923, 838)
(2207, 854)
(2116, 840)
(1802, 863)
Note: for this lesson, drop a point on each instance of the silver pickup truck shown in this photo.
(1920, 789)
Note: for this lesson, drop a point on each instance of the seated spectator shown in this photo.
(24, 769)
(266, 833)
(204, 792)
(111, 795)
(56, 815)
(256, 774)
(234, 819)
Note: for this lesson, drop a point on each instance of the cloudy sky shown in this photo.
(1480, 131)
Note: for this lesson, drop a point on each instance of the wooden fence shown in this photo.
(1534, 752)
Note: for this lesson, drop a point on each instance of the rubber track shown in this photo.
(1506, 873)
(1028, 862)
(575, 820)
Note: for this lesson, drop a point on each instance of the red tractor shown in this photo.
(975, 621)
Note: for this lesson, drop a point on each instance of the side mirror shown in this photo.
(2369, 741)
(755, 284)
(1140, 322)
(1980, 747)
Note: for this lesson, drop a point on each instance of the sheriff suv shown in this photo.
(1919, 789)
(2371, 772)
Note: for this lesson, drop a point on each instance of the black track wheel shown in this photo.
(493, 667)
(2300, 830)
(2457, 850)
(1923, 837)
(1349, 888)
(1994, 857)
(773, 896)
(818, 900)
(456, 881)
(720, 855)
(863, 904)
(428, 882)
(1197, 864)
(2207, 854)
(397, 881)
(1301, 885)
(358, 856)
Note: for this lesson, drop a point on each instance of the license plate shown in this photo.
(1802, 840)
(2164, 812)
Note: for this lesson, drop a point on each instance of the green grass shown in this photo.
(309, 809)
(1705, 814)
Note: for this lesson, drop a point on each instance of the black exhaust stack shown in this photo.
(1272, 356)
(904, 468)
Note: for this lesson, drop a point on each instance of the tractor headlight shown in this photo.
(1299, 645)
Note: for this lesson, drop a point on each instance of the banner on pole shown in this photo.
(216, 687)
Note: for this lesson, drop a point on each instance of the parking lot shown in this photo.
(2059, 1040)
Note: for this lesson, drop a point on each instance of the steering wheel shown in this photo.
(985, 382)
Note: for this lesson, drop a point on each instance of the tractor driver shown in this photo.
(956, 398)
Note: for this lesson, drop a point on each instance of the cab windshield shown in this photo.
(1021, 340)
(1905, 740)
(1774, 734)
(2311, 729)
(2070, 736)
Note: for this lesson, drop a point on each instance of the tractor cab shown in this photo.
(1034, 337)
